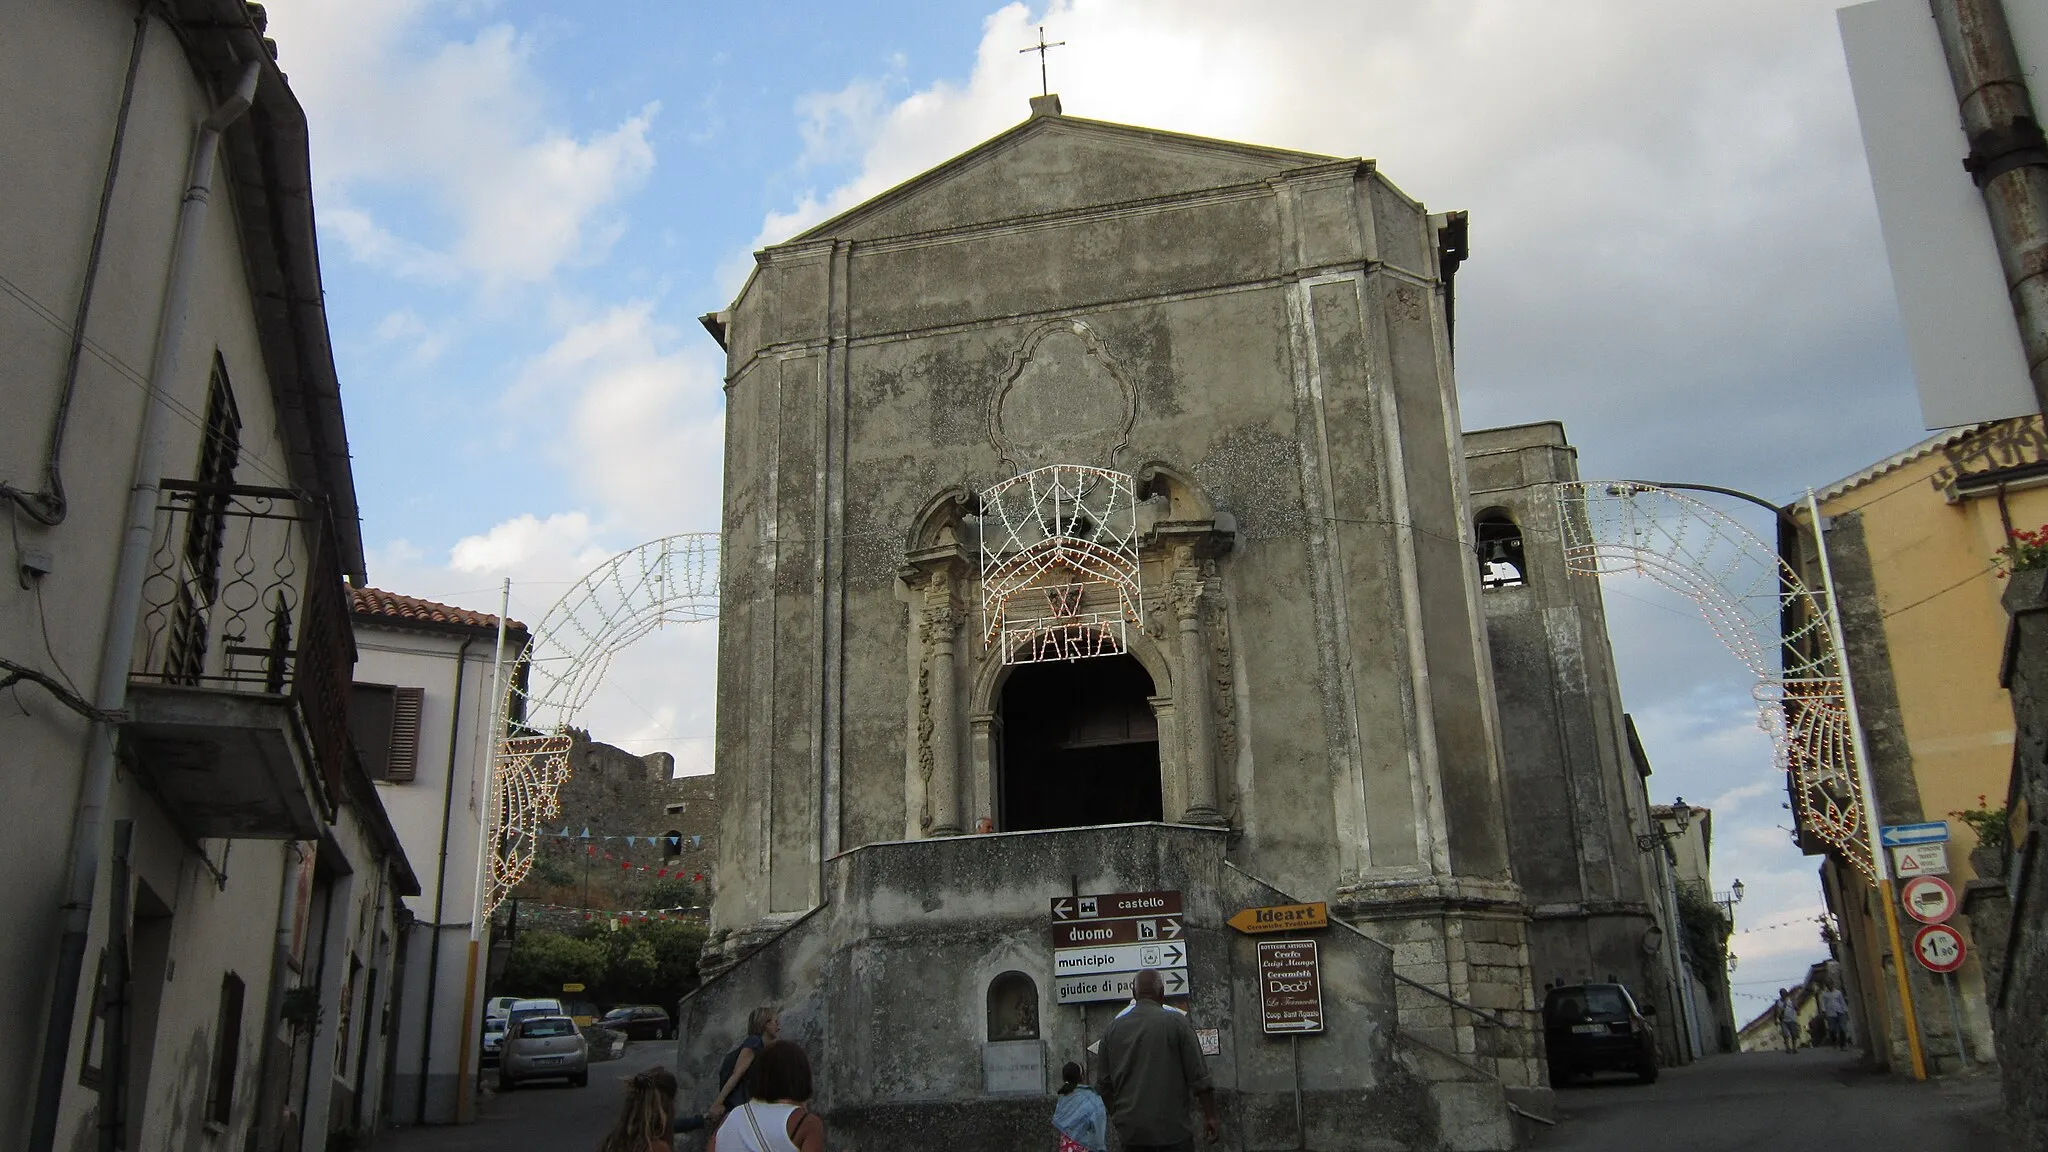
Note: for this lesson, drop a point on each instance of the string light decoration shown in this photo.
(673, 580)
(1059, 564)
(1760, 609)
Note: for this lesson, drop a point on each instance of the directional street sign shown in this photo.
(1939, 947)
(1928, 899)
(1900, 835)
(1290, 986)
(1101, 943)
(1920, 860)
(1112, 905)
(1281, 918)
(1118, 958)
(1087, 933)
(1111, 986)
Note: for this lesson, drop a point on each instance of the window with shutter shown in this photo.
(405, 733)
(384, 723)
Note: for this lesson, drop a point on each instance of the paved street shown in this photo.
(1812, 1102)
(540, 1116)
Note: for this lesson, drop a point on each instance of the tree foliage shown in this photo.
(643, 963)
(1705, 934)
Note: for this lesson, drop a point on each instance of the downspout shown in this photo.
(2008, 160)
(117, 644)
(47, 506)
(440, 884)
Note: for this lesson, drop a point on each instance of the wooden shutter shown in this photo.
(405, 734)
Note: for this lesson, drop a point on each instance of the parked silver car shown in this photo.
(543, 1048)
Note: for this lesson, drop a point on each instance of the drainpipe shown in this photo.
(117, 645)
(47, 506)
(2008, 160)
(441, 883)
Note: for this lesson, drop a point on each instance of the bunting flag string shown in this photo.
(665, 839)
(661, 871)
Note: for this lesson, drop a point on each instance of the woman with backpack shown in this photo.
(763, 1026)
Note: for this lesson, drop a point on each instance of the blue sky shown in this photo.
(525, 206)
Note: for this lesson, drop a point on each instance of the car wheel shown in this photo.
(1647, 1072)
(581, 1081)
(666, 1033)
(505, 1083)
(1560, 1076)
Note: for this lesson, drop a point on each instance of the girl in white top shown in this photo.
(775, 1119)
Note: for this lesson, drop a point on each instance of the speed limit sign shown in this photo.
(1939, 947)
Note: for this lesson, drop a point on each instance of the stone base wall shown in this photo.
(888, 985)
(1472, 949)
(2019, 995)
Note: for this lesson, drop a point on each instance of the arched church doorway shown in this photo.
(1080, 745)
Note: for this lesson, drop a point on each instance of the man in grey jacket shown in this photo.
(1151, 1064)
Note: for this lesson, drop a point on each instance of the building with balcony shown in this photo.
(422, 710)
(203, 886)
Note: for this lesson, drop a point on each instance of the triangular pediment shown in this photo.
(1052, 164)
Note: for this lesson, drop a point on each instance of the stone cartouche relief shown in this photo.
(1063, 399)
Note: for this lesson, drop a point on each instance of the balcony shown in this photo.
(238, 695)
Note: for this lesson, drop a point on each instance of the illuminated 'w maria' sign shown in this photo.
(1059, 564)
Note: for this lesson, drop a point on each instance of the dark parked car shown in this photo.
(640, 1022)
(1596, 1028)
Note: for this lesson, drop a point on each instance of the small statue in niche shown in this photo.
(1013, 1008)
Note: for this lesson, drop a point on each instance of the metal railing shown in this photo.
(245, 594)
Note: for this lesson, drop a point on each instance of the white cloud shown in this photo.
(466, 123)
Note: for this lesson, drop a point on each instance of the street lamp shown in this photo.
(1681, 815)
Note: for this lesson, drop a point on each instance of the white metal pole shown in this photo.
(495, 739)
(1865, 783)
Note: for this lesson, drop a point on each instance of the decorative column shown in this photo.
(941, 625)
(1194, 706)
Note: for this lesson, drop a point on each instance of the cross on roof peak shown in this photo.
(1044, 88)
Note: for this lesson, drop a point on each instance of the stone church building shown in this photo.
(1096, 520)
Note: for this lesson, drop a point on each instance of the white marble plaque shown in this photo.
(1013, 1067)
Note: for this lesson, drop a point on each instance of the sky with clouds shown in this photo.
(525, 205)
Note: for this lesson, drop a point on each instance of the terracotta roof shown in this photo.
(1935, 443)
(375, 602)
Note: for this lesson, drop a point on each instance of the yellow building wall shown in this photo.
(1938, 589)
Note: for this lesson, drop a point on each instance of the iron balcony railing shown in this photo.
(245, 594)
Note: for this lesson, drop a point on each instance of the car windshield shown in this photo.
(547, 1026)
(495, 1024)
(1570, 1004)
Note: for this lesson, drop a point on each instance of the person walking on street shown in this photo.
(1788, 1020)
(1835, 1006)
(1151, 1065)
(774, 1119)
(644, 1119)
(1080, 1118)
(763, 1026)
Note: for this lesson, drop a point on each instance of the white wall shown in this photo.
(428, 660)
(61, 70)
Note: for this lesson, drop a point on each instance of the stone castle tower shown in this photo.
(1095, 518)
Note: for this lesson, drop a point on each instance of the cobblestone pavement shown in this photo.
(1811, 1101)
(547, 1116)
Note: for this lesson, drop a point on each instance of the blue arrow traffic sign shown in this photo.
(1901, 835)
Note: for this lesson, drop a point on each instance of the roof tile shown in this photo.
(379, 604)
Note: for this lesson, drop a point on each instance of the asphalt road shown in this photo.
(1814, 1101)
(549, 1115)
(1811, 1101)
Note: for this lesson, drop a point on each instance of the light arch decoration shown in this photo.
(1059, 564)
(673, 580)
(1764, 614)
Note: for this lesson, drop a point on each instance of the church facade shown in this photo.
(1096, 520)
